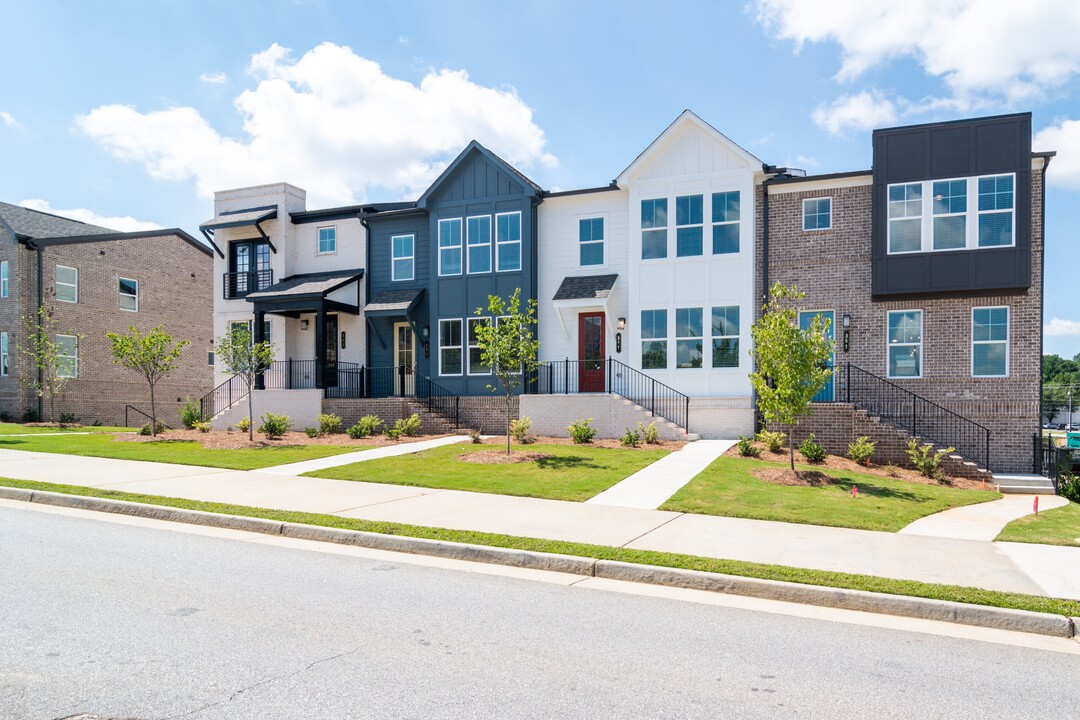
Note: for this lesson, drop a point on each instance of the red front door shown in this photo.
(591, 352)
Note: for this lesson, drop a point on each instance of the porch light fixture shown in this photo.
(342, 339)
(847, 321)
(424, 332)
(621, 324)
(303, 324)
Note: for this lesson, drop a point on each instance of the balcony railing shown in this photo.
(239, 284)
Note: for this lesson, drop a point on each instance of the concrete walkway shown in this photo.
(650, 487)
(1033, 569)
(983, 521)
(406, 448)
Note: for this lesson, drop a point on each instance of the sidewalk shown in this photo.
(650, 487)
(1012, 567)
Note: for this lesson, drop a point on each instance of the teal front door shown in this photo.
(828, 393)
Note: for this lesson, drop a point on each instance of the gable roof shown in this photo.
(475, 147)
(588, 287)
(27, 223)
(687, 117)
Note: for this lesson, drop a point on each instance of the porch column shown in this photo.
(258, 336)
(320, 346)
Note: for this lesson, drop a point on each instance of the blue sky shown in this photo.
(131, 113)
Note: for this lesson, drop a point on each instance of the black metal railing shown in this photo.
(565, 377)
(131, 409)
(439, 400)
(281, 375)
(239, 284)
(920, 417)
(359, 381)
(1052, 460)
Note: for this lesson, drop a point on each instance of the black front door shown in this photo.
(330, 368)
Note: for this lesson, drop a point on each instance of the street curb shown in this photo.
(923, 608)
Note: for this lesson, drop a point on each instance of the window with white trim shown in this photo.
(403, 260)
(450, 246)
(508, 241)
(4, 286)
(725, 336)
(129, 295)
(904, 343)
(478, 236)
(450, 346)
(996, 204)
(654, 228)
(726, 214)
(327, 240)
(476, 365)
(952, 214)
(689, 225)
(591, 241)
(817, 213)
(67, 356)
(905, 218)
(688, 338)
(653, 339)
(67, 284)
(990, 341)
(3, 354)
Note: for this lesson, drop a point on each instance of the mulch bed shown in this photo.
(499, 457)
(596, 442)
(784, 476)
(235, 440)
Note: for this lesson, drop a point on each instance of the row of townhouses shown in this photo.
(929, 266)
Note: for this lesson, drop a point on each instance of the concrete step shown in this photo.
(1024, 484)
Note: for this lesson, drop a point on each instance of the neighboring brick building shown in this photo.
(947, 306)
(102, 281)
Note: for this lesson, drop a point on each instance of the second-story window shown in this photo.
(478, 231)
(725, 217)
(402, 264)
(950, 214)
(817, 213)
(688, 225)
(327, 240)
(905, 218)
(996, 211)
(591, 239)
(4, 287)
(508, 241)
(67, 284)
(450, 247)
(129, 295)
(654, 229)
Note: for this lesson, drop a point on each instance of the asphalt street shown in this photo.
(121, 620)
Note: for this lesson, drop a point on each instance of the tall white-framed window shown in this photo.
(67, 356)
(990, 342)
(450, 246)
(4, 282)
(726, 214)
(996, 205)
(817, 213)
(654, 339)
(3, 354)
(725, 336)
(478, 237)
(450, 347)
(67, 284)
(327, 240)
(689, 225)
(951, 214)
(129, 295)
(403, 259)
(508, 241)
(654, 228)
(476, 365)
(689, 338)
(905, 218)
(904, 343)
(591, 241)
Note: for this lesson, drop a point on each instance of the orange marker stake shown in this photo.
(854, 491)
(1036, 504)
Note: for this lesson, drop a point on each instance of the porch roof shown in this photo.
(586, 287)
(393, 303)
(240, 218)
(338, 290)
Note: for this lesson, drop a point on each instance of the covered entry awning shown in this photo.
(245, 217)
(336, 291)
(394, 304)
(583, 292)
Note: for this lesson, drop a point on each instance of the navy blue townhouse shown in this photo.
(430, 266)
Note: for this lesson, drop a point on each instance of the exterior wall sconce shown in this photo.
(303, 324)
(342, 339)
(425, 332)
(621, 325)
(847, 321)
(847, 333)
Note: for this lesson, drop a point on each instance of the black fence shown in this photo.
(239, 284)
(1052, 460)
(281, 375)
(359, 381)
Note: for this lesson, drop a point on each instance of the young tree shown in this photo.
(45, 369)
(242, 357)
(508, 345)
(791, 365)
(151, 355)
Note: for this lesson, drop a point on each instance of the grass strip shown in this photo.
(847, 581)
(1060, 526)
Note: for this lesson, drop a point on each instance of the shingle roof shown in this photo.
(394, 301)
(307, 284)
(586, 287)
(34, 223)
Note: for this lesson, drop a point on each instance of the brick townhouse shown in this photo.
(100, 281)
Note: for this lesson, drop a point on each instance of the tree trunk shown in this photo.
(251, 413)
(508, 424)
(52, 406)
(791, 444)
(153, 412)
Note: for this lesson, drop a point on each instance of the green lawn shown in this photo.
(574, 472)
(181, 452)
(727, 488)
(1060, 526)
(17, 429)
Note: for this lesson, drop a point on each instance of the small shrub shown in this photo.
(631, 438)
(190, 413)
(146, 429)
(244, 424)
(393, 431)
(649, 434)
(773, 440)
(5, 416)
(68, 418)
(581, 431)
(30, 415)
(1069, 487)
(366, 426)
(747, 448)
(409, 426)
(519, 429)
(476, 437)
(274, 425)
(313, 432)
(891, 470)
(329, 423)
(812, 451)
(861, 450)
(203, 427)
(926, 460)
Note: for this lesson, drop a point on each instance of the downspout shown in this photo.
(37, 315)
(1042, 300)
(367, 287)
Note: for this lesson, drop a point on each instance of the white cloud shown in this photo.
(8, 120)
(403, 39)
(214, 78)
(1064, 137)
(862, 111)
(124, 223)
(1061, 328)
(332, 122)
(1001, 48)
